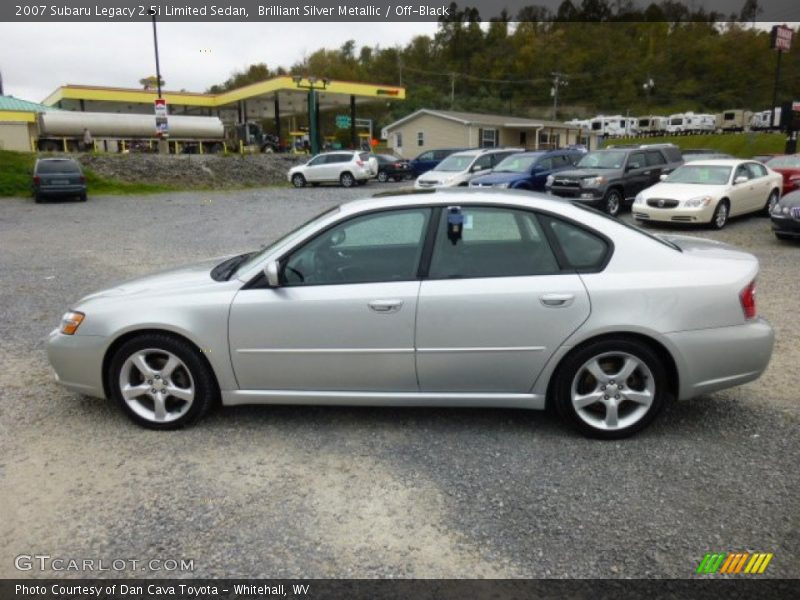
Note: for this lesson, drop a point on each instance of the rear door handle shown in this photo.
(386, 306)
(557, 300)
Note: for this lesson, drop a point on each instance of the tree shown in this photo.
(151, 82)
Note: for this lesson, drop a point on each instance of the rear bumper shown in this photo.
(60, 190)
(715, 359)
(77, 362)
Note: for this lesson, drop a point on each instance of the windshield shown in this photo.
(517, 163)
(307, 226)
(785, 162)
(603, 159)
(700, 174)
(455, 162)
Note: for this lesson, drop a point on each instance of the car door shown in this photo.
(334, 165)
(424, 163)
(315, 168)
(741, 193)
(760, 185)
(637, 174)
(543, 167)
(656, 164)
(343, 316)
(495, 305)
(480, 166)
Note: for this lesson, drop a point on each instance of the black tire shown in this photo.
(782, 236)
(383, 177)
(83, 197)
(347, 180)
(571, 370)
(298, 180)
(720, 217)
(206, 388)
(37, 198)
(612, 202)
(772, 200)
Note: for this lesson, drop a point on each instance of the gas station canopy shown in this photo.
(285, 96)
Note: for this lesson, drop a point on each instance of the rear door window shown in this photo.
(655, 158)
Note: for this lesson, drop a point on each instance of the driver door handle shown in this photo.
(557, 300)
(386, 306)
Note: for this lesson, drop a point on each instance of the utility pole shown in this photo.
(559, 79)
(452, 90)
(400, 67)
(163, 145)
(1, 83)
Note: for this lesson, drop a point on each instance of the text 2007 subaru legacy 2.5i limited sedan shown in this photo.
(456, 298)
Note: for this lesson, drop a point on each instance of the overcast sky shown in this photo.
(36, 58)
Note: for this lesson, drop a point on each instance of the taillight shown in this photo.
(36, 180)
(360, 163)
(83, 178)
(748, 299)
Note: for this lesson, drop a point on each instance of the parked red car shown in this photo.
(789, 167)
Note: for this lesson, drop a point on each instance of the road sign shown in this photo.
(781, 38)
(343, 121)
(162, 126)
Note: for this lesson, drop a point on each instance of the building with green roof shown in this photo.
(18, 123)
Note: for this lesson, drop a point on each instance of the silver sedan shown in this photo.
(452, 298)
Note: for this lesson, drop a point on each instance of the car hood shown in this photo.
(440, 175)
(495, 178)
(581, 173)
(188, 279)
(705, 248)
(791, 199)
(681, 191)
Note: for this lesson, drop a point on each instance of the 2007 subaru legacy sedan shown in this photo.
(456, 298)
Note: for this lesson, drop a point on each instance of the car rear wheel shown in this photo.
(610, 389)
(383, 177)
(720, 217)
(83, 197)
(612, 202)
(772, 201)
(161, 382)
(298, 180)
(346, 179)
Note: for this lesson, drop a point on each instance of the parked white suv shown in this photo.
(457, 169)
(346, 167)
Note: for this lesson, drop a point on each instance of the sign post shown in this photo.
(780, 41)
(162, 126)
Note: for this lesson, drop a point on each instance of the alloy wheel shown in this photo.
(613, 391)
(612, 203)
(156, 385)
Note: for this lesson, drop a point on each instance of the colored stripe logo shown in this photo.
(735, 562)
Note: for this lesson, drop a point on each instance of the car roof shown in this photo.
(457, 196)
(720, 162)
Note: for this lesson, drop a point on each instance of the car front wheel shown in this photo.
(161, 382)
(720, 217)
(612, 202)
(772, 201)
(298, 180)
(610, 389)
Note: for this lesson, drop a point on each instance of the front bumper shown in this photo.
(591, 196)
(679, 214)
(785, 225)
(715, 359)
(77, 361)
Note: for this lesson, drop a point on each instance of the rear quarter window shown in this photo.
(583, 250)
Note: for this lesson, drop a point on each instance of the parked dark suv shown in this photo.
(427, 161)
(58, 177)
(609, 179)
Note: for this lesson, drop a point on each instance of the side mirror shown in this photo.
(663, 177)
(271, 271)
(740, 179)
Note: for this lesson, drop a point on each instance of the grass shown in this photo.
(16, 169)
(742, 145)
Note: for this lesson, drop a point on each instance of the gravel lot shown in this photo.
(356, 492)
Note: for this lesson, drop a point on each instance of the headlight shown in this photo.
(599, 180)
(699, 201)
(786, 210)
(777, 209)
(549, 180)
(639, 199)
(71, 321)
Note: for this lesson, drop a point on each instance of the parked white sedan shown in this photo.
(346, 167)
(710, 191)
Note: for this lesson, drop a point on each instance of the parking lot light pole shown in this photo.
(313, 84)
(163, 145)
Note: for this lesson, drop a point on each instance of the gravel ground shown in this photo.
(365, 492)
